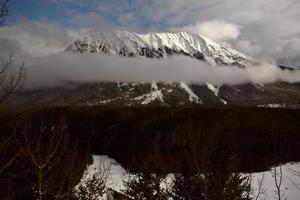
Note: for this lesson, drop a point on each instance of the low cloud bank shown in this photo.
(56, 69)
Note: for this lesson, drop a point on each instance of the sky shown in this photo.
(259, 28)
(38, 31)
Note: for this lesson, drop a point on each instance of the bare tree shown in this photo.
(278, 178)
(3, 11)
(284, 62)
(41, 159)
(260, 190)
(12, 78)
(45, 149)
(295, 173)
(5, 160)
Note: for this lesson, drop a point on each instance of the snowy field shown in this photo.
(287, 178)
(283, 180)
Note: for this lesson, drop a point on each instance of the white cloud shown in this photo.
(55, 69)
(248, 47)
(218, 30)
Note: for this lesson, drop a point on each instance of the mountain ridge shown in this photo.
(159, 45)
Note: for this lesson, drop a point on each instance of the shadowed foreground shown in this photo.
(47, 150)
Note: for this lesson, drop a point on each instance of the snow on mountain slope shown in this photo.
(159, 45)
(155, 94)
(192, 96)
(215, 90)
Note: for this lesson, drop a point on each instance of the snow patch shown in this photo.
(192, 96)
(216, 90)
(154, 86)
(154, 95)
(272, 106)
(107, 101)
(116, 171)
(290, 187)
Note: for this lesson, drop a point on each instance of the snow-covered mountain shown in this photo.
(160, 45)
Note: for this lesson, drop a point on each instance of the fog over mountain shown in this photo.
(83, 68)
(170, 57)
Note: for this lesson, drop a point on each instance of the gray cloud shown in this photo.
(8, 47)
(58, 68)
(248, 47)
(34, 38)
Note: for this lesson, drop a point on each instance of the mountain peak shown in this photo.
(159, 45)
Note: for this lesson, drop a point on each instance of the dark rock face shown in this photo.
(148, 52)
(165, 94)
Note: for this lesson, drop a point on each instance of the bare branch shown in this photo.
(261, 191)
(278, 177)
(3, 11)
(12, 78)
